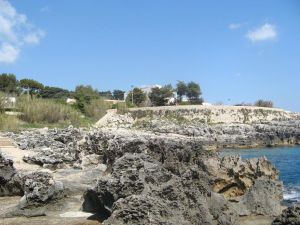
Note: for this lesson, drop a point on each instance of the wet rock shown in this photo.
(289, 216)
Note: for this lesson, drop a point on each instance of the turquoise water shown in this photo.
(286, 159)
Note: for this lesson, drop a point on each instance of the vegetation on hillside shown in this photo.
(40, 105)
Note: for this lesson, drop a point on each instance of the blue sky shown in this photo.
(238, 51)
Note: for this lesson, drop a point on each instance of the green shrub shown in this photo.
(46, 111)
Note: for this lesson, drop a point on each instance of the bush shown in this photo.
(97, 108)
(264, 103)
(46, 111)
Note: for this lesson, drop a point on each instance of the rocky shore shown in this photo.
(150, 168)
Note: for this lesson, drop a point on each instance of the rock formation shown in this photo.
(157, 167)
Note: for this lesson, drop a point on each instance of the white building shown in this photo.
(9, 102)
(71, 101)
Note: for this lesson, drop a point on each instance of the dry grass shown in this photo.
(45, 111)
(9, 123)
(97, 108)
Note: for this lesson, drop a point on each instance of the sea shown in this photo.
(285, 159)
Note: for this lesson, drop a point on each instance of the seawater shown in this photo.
(286, 160)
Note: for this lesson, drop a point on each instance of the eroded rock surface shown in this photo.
(179, 179)
(39, 189)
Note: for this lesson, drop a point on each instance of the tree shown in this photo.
(32, 86)
(264, 103)
(54, 93)
(181, 90)
(137, 95)
(84, 95)
(160, 96)
(106, 94)
(8, 83)
(118, 94)
(193, 93)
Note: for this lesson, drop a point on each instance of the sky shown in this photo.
(238, 51)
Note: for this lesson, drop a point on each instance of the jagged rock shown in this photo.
(141, 191)
(289, 216)
(159, 170)
(39, 189)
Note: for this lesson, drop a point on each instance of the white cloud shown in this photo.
(45, 9)
(15, 32)
(8, 53)
(34, 37)
(263, 33)
(234, 26)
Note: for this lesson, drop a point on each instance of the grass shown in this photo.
(97, 109)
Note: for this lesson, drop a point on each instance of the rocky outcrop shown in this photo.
(37, 188)
(153, 175)
(141, 191)
(159, 168)
(289, 216)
